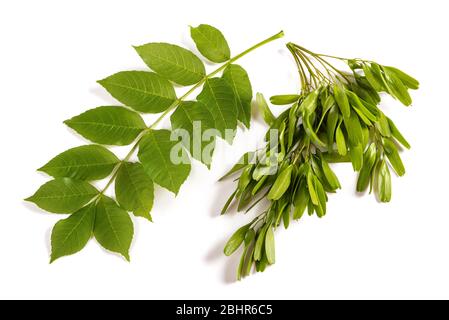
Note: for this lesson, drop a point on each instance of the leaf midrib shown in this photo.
(237, 97)
(81, 165)
(122, 86)
(119, 126)
(217, 49)
(75, 227)
(170, 62)
(218, 106)
(136, 189)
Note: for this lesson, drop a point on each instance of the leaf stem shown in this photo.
(176, 104)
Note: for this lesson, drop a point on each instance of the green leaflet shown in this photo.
(155, 152)
(91, 162)
(211, 43)
(173, 62)
(72, 234)
(113, 227)
(63, 195)
(218, 96)
(236, 240)
(270, 246)
(143, 91)
(239, 81)
(134, 190)
(195, 118)
(108, 125)
(264, 109)
(281, 184)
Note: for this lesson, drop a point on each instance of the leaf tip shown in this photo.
(53, 258)
(29, 199)
(42, 169)
(68, 123)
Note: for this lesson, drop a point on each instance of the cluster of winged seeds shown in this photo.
(335, 118)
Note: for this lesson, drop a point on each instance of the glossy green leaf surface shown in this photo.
(211, 43)
(155, 154)
(143, 91)
(72, 234)
(91, 162)
(218, 97)
(108, 125)
(63, 195)
(239, 81)
(134, 190)
(173, 62)
(194, 118)
(114, 228)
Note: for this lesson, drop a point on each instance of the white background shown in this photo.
(52, 52)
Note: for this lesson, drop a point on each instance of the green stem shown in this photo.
(319, 57)
(302, 74)
(176, 103)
